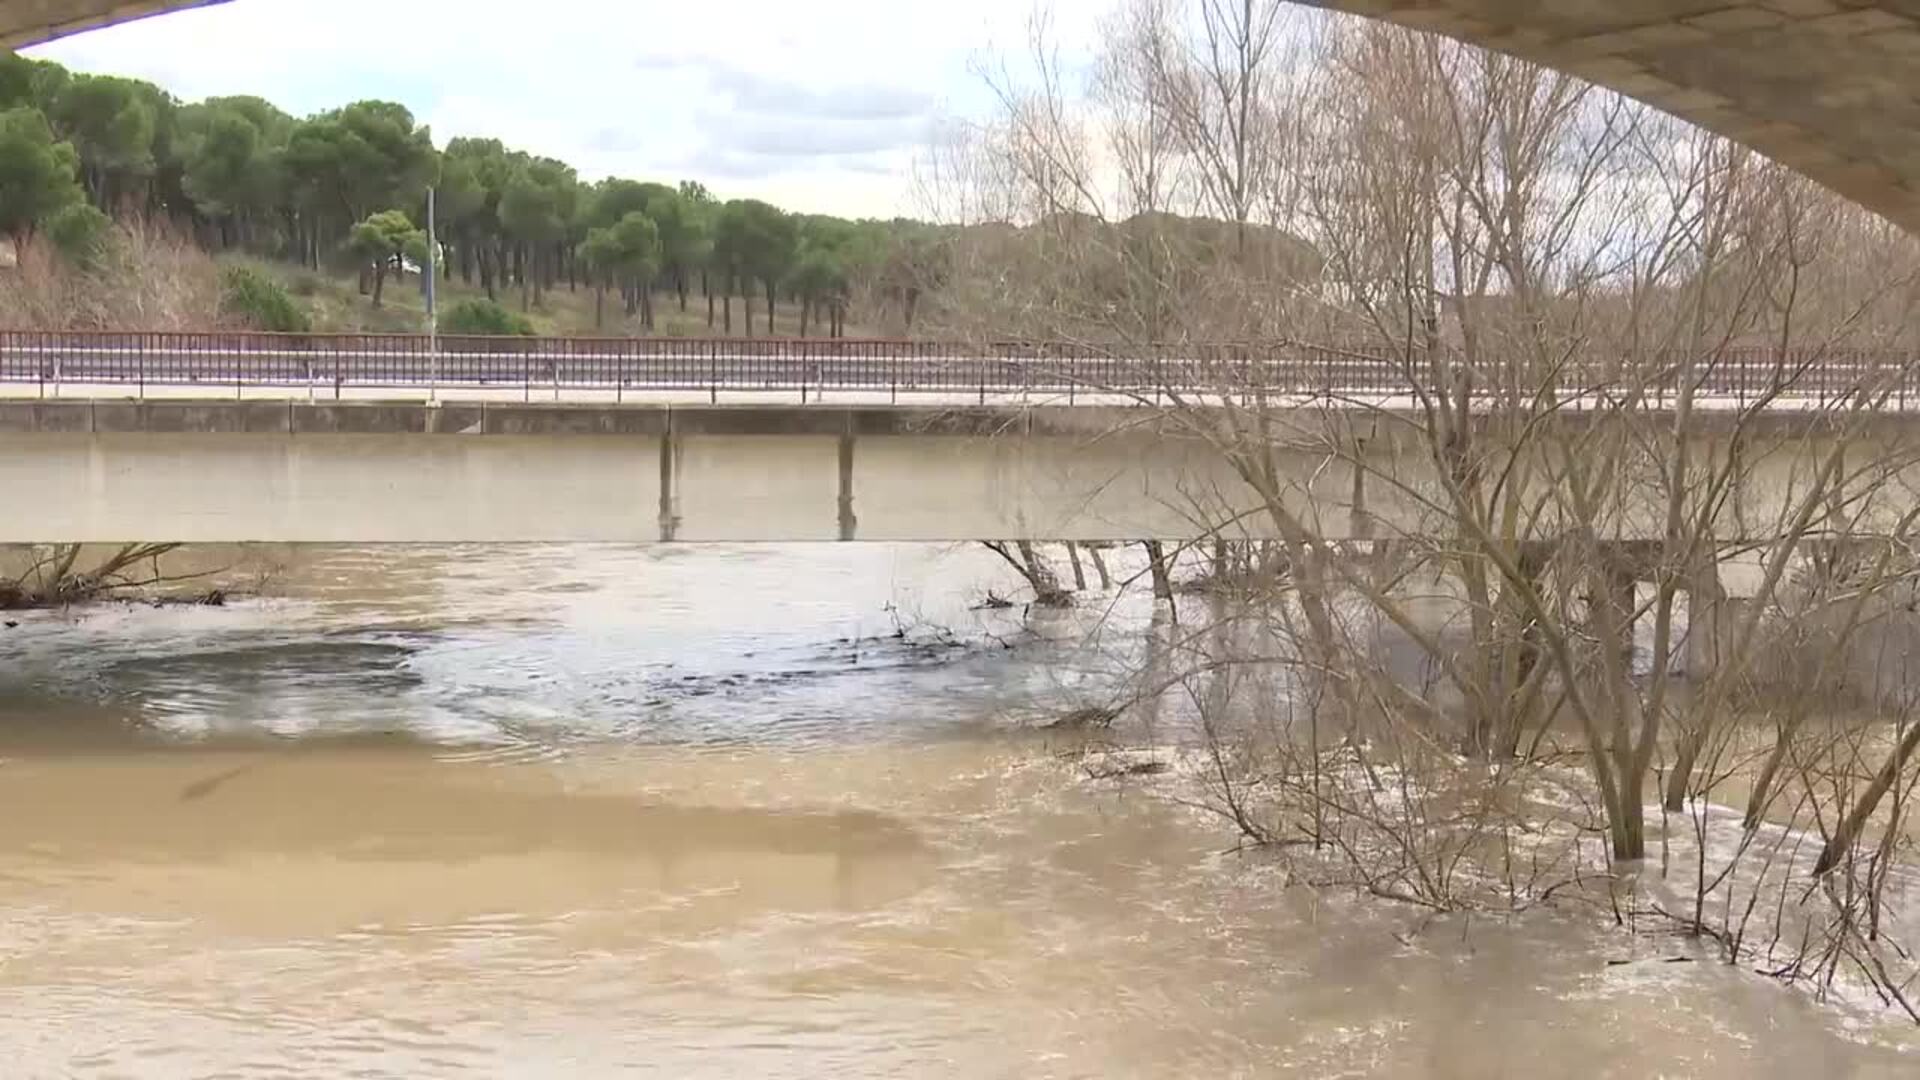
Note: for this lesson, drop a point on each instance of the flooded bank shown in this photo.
(716, 811)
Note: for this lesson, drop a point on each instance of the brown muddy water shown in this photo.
(699, 812)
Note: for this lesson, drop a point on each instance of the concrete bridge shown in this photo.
(365, 472)
(241, 437)
(1825, 86)
(294, 471)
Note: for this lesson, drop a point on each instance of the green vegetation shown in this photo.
(382, 241)
(37, 178)
(342, 194)
(79, 232)
(258, 302)
(333, 207)
(484, 317)
(625, 254)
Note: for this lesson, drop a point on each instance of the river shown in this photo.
(716, 811)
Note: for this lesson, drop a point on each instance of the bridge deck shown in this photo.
(373, 366)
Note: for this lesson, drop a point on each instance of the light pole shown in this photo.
(433, 315)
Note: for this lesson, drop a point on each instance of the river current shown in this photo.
(723, 811)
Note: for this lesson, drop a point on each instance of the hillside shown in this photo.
(335, 303)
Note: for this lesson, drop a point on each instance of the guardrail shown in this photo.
(334, 363)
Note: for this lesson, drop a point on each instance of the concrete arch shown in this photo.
(32, 22)
(1829, 87)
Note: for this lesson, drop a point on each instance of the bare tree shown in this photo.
(55, 575)
(1573, 421)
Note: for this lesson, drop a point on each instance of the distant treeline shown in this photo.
(348, 186)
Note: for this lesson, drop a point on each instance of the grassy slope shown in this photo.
(336, 305)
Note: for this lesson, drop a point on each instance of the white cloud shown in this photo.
(817, 106)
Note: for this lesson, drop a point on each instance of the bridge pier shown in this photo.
(669, 488)
(1617, 594)
(849, 523)
(1711, 617)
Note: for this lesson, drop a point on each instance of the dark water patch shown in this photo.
(323, 657)
(34, 720)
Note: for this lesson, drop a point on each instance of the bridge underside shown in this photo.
(30, 22)
(1825, 86)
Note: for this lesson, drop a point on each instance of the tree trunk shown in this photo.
(1100, 568)
(1628, 825)
(806, 309)
(1032, 566)
(769, 308)
(726, 308)
(1686, 752)
(1849, 831)
(1046, 583)
(600, 305)
(1613, 608)
(1079, 573)
(379, 282)
(1157, 565)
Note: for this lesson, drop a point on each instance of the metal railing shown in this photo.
(331, 364)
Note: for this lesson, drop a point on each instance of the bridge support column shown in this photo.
(1709, 621)
(669, 487)
(1615, 584)
(1384, 558)
(849, 524)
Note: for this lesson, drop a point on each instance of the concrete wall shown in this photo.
(242, 471)
(1822, 86)
(29, 22)
(264, 472)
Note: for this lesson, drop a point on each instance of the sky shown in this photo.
(818, 105)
